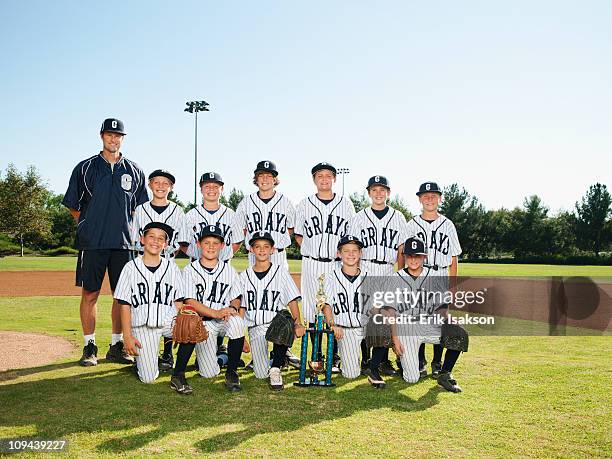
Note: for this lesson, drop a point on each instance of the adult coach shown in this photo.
(102, 195)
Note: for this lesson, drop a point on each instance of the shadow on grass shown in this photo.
(110, 401)
(19, 372)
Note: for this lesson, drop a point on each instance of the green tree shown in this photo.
(398, 204)
(530, 232)
(468, 215)
(360, 200)
(234, 199)
(592, 216)
(175, 199)
(22, 204)
(63, 226)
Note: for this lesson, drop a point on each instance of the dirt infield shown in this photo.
(50, 283)
(25, 350)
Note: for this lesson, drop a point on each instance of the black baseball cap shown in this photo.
(378, 180)
(266, 166)
(211, 231)
(213, 177)
(349, 240)
(257, 235)
(323, 166)
(162, 173)
(112, 125)
(429, 187)
(414, 246)
(159, 225)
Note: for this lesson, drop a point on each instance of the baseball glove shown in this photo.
(378, 334)
(188, 327)
(281, 330)
(454, 337)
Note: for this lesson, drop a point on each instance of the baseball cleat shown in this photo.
(117, 354)
(365, 364)
(446, 380)
(336, 365)
(436, 368)
(400, 370)
(232, 382)
(423, 369)
(179, 384)
(374, 378)
(276, 379)
(241, 363)
(386, 368)
(292, 360)
(165, 362)
(249, 366)
(90, 355)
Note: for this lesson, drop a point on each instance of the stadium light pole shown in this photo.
(195, 107)
(343, 171)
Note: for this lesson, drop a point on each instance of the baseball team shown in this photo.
(120, 230)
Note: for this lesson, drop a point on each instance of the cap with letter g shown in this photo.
(159, 225)
(414, 246)
(211, 177)
(429, 187)
(322, 167)
(349, 240)
(378, 180)
(112, 125)
(266, 166)
(261, 235)
(211, 231)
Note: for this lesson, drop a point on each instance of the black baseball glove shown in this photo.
(454, 337)
(281, 330)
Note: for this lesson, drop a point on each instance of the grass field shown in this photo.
(523, 396)
(465, 269)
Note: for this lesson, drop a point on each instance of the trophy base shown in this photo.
(313, 383)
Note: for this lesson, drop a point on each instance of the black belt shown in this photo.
(323, 260)
(376, 262)
(280, 250)
(435, 267)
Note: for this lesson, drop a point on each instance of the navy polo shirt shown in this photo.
(106, 198)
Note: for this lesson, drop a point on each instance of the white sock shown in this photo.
(116, 337)
(88, 338)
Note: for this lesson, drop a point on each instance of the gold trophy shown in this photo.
(316, 366)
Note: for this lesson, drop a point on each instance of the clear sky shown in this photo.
(506, 98)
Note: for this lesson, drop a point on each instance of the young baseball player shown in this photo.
(321, 220)
(443, 248)
(345, 312)
(148, 290)
(423, 307)
(212, 212)
(382, 230)
(267, 210)
(161, 209)
(208, 283)
(262, 291)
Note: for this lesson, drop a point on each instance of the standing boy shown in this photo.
(321, 220)
(212, 212)
(382, 230)
(148, 291)
(442, 244)
(267, 210)
(263, 290)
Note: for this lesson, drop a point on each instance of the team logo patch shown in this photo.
(126, 182)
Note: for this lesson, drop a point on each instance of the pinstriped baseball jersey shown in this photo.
(322, 225)
(275, 216)
(211, 288)
(440, 238)
(348, 301)
(173, 216)
(263, 298)
(426, 292)
(151, 295)
(225, 218)
(380, 236)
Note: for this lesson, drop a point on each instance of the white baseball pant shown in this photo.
(206, 351)
(146, 360)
